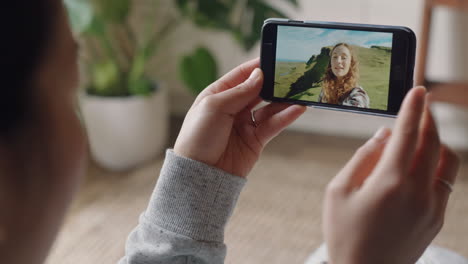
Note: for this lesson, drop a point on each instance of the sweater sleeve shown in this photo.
(186, 215)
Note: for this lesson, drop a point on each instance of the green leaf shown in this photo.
(149, 49)
(142, 87)
(293, 2)
(137, 70)
(182, 5)
(207, 13)
(106, 80)
(249, 35)
(198, 70)
(80, 13)
(114, 11)
(216, 14)
(137, 83)
(96, 27)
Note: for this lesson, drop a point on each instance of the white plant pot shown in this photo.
(126, 132)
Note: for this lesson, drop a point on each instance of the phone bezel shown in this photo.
(401, 71)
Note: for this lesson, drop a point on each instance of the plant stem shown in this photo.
(91, 52)
(124, 46)
(112, 54)
(238, 11)
(160, 36)
(131, 37)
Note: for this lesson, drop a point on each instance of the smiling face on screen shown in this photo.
(340, 61)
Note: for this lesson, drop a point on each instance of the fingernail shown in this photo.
(382, 133)
(255, 74)
(422, 88)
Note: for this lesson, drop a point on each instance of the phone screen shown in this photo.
(333, 66)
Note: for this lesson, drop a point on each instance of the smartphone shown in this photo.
(349, 67)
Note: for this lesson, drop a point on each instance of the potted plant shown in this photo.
(124, 110)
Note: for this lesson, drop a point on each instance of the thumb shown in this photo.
(234, 100)
(363, 162)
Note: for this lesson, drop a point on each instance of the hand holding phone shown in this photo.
(218, 129)
(388, 202)
(350, 67)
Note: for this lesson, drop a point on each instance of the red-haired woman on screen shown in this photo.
(340, 83)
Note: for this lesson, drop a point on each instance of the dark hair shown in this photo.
(25, 29)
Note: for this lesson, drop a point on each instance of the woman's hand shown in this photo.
(218, 129)
(388, 203)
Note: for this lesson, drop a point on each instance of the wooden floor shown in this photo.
(277, 220)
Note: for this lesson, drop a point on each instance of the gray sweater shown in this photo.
(186, 216)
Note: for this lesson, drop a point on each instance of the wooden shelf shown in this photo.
(449, 92)
(455, 92)
(457, 4)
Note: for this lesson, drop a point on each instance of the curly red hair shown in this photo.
(332, 88)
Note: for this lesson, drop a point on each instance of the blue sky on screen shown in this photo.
(300, 43)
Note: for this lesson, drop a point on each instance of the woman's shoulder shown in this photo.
(358, 90)
(357, 97)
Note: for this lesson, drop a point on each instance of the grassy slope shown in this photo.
(287, 73)
(374, 70)
(375, 75)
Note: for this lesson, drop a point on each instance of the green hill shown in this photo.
(315, 69)
(302, 81)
